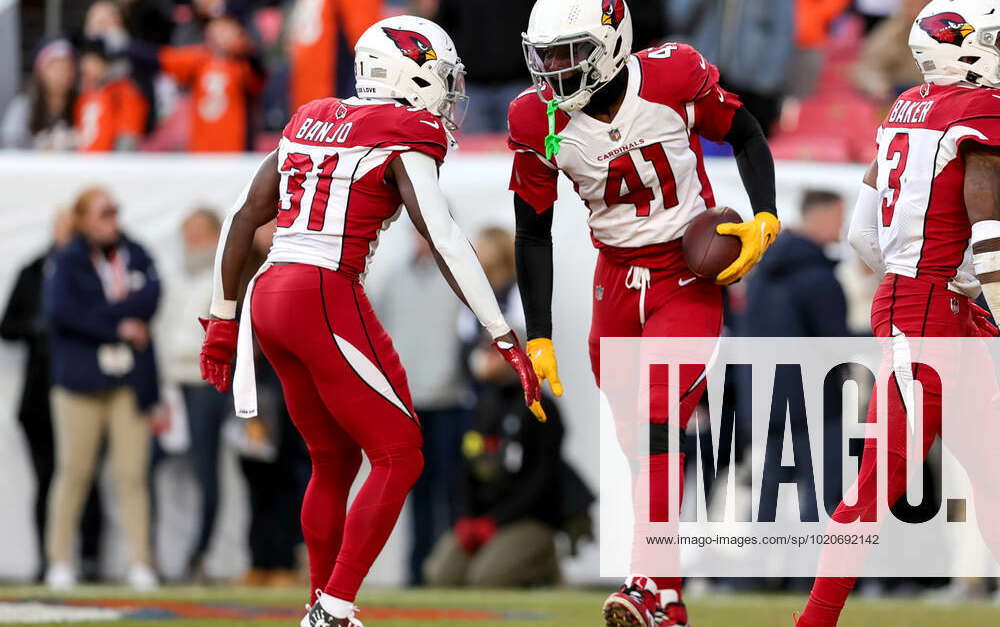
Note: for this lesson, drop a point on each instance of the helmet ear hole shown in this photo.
(618, 46)
(969, 60)
(420, 82)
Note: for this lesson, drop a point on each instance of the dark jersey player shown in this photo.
(338, 179)
(625, 130)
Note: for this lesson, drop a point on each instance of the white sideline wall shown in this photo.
(156, 192)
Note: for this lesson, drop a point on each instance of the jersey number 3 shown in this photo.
(899, 150)
(623, 170)
(300, 171)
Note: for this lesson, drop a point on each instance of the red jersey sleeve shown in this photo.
(677, 75)
(980, 121)
(534, 178)
(421, 131)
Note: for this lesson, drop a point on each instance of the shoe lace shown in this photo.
(352, 618)
(635, 592)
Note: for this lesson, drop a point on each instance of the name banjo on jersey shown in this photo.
(910, 112)
(320, 131)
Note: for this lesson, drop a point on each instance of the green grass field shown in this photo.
(417, 608)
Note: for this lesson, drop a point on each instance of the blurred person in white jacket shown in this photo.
(205, 408)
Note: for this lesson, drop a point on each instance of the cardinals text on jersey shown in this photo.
(642, 176)
(334, 199)
(923, 226)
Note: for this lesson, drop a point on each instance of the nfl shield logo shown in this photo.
(341, 112)
(599, 292)
(615, 134)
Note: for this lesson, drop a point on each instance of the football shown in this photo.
(706, 252)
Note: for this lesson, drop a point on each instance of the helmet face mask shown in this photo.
(576, 47)
(455, 103)
(566, 65)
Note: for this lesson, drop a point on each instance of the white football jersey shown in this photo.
(924, 229)
(334, 198)
(641, 176)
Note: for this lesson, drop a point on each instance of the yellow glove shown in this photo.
(757, 236)
(543, 358)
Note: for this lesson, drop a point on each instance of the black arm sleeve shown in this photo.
(533, 250)
(753, 157)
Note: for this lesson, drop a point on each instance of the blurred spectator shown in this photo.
(437, 387)
(488, 37)
(23, 322)
(873, 12)
(99, 294)
(111, 111)
(813, 19)
(751, 42)
(322, 34)
(276, 465)
(194, 16)
(148, 20)
(794, 292)
(511, 497)
(205, 408)
(224, 76)
(42, 117)
(105, 22)
(886, 67)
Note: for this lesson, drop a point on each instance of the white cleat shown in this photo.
(142, 578)
(60, 577)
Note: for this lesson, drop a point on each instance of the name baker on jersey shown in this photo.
(319, 131)
(910, 112)
(621, 150)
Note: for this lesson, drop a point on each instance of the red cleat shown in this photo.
(632, 606)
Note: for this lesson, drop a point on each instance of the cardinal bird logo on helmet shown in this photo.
(614, 13)
(412, 44)
(948, 28)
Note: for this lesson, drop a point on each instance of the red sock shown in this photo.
(324, 510)
(373, 515)
(659, 493)
(826, 601)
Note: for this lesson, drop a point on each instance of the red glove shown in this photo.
(474, 533)
(465, 534)
(511, 350)
(983, 321)
(485, 530)
(217, 351)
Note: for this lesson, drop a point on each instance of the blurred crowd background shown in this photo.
(224, 75)
(112, 373)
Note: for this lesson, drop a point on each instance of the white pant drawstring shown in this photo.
(639, 278)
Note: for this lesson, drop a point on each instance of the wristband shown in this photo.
(224, 310)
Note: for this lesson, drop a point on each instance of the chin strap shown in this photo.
(552, 140)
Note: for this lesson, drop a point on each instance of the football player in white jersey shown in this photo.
(928, 218)
(337, 180)
(626, 129)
